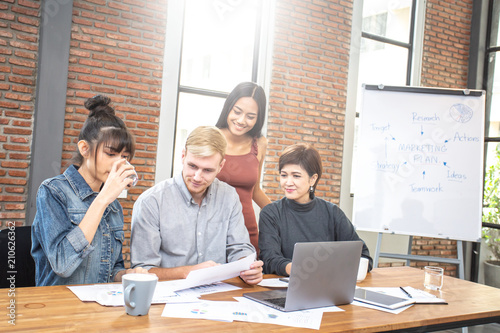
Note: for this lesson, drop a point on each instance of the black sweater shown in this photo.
(286, 222)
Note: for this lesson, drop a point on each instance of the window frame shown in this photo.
(488, 83)
(409, 46)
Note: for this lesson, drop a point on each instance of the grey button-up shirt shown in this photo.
(169, 229)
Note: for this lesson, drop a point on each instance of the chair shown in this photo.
(19, 256)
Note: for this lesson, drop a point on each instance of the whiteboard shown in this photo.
(419, 162)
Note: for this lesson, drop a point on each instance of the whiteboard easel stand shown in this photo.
(457, 261)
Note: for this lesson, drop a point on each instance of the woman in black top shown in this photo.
(300, 216)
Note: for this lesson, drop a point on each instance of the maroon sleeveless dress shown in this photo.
(241, 172)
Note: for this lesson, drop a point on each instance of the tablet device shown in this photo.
(379, 299)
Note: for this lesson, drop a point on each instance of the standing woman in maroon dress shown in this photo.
(241, 122)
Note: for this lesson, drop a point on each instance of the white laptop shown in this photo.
(323, 274)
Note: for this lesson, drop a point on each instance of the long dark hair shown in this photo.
(307, 157)
(104, 127)
(245, 89)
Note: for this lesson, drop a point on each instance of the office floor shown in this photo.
(490, 328)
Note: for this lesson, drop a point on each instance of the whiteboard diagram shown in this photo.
(420, 162)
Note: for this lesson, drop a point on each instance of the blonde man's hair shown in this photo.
(205, 141)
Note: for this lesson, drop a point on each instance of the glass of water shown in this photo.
(134, 177)
(433, 277)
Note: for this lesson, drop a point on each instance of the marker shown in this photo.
(284, 279)
(407, 293)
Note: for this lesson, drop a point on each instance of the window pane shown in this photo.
(388, 18)
(494, 37)
(382, 63)
(218, 43)
(193, 111)
(491, 189)
(494, 102)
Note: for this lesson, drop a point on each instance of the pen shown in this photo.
(284, 279)
(407, 293)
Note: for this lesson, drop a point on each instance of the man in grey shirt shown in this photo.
(193, 220)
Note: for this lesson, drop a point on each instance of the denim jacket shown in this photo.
(62, 254)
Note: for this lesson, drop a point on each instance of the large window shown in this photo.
(386, 49)
(492, 139)
(219, 44)
(493, 83)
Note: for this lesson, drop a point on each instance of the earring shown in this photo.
(311, 189)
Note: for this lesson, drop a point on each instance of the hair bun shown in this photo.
(98, 103)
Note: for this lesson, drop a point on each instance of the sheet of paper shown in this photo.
(218, 273)
(259, 313)
(192, 295)
(164, 292)
(423, 297)
(84, 293)
(179, 299)
(177, 287)
(207, 289)
(243, 311)
(169, 287)
(104, 294)
(273, 283)
(109, 294)
(420, 296)
(211, 310)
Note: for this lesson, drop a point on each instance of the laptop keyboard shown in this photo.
(280, 301)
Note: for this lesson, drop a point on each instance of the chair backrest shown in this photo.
(17, 267)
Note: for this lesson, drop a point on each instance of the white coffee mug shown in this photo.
(138, 290)
(363, 269)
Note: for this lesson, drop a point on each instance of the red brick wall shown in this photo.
(19, 31)
(446, 44)
(307, 98)
(116, 49)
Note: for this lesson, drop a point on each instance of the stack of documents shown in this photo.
(112, 294)
(247, 310)
(417, 296)
(205, 280)
(420, 296)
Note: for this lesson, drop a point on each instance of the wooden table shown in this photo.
(57, 309)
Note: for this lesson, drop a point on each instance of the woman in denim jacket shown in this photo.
(77, 234)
